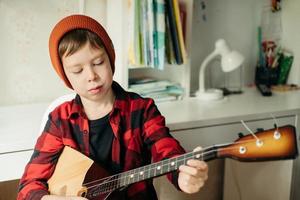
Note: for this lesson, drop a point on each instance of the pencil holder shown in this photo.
(266, 76)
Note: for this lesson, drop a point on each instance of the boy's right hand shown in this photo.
(54, 197)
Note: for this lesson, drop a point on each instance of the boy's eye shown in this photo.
(77, 71)
(98, 63)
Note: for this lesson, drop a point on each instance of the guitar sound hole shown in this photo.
(83, 194)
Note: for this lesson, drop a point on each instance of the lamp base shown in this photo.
(210, 94)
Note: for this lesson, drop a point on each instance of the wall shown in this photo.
(26, 73)
(236, 21)
(291, 36)
(25, 28)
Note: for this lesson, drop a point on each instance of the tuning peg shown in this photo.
(240, 135)
(259, 129)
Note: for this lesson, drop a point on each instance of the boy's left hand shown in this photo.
(193, 175)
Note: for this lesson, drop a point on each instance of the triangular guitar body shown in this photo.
(69, 173)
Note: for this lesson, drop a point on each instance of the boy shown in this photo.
(115, 128)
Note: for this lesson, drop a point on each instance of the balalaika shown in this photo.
(77, 175)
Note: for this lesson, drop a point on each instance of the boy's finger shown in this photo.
(197, 164)
(194, 171)
(188, 170)
(197, 149)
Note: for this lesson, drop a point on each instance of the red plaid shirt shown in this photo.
(140, 135)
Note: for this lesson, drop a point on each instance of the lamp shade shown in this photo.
(231, 61)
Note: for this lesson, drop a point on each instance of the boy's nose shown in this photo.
(92, 75)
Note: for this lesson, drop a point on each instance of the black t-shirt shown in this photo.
(101, 137)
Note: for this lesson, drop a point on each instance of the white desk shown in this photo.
(194, 122)
(19, 125)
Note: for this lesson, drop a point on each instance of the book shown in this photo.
(137, 33)
(179, 29)
(150, 85)
(170, 57)
(132, 33)
(156, 89)
(163, 98)
(182, 9)
(174, 34)
(150, 30)
(159, 34)
(143, 32)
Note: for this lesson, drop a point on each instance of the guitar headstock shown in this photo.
(273, 144)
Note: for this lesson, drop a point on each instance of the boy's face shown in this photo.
(89, 72)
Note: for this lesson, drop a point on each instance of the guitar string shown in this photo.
(187, 154)
(103, 179)
(114, 183)
(250, 131)
(115, 180)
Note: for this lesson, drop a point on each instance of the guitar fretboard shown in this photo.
(161, 168)
(153, 170)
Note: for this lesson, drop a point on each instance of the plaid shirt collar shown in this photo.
(119, 104)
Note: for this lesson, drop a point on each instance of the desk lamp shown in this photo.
(230, 60)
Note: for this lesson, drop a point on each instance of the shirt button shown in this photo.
(85, 132)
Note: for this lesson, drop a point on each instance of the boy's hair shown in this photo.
(75, 39)
(97, 36)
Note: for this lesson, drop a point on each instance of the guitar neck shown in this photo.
(153, 170)
(165, 166)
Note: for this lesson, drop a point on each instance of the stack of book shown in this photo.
(159, 90)
(156, 33)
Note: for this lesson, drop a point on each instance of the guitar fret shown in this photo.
(119, 180)
(134, 176)
(147, 172)
(156, 169)
(141, 173)
(165, 166)
(159, 168)
(129, 177)
(107, 185)
(172, 164)
(111, 184)
(181, 160)
(185, 159)
(152, 170)
(126, 178)
(137, 174)
(122, 180)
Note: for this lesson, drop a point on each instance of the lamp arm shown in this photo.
(202, 69)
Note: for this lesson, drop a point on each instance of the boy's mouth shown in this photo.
(95, 90)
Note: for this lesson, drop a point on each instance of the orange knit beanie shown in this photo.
(77, 22)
